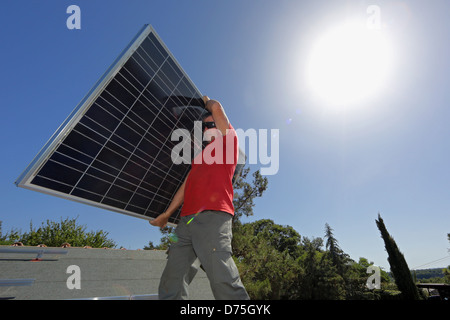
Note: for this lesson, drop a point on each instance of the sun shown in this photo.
(348, 65)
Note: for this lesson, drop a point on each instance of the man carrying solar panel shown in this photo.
(204, 230)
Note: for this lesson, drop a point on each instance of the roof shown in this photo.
(102, 273)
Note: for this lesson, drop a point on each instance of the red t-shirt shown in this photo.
(209, 184)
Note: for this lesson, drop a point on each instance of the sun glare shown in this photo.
(348, 65)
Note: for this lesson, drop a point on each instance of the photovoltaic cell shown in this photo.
(114, 150)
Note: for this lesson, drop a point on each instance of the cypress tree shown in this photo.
(399, 267)
(338, 257)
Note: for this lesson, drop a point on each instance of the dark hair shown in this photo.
(206, 114)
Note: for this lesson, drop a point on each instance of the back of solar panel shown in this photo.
(114, 150)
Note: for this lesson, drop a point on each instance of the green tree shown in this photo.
(397, 262)
(54, 234)
(338, 257)
(356, 279)
(265, 256)
(320, 280)
(167, 237)
(308, 281)
(282, 238)
(446, 271)
(246, 192)
(10, 237)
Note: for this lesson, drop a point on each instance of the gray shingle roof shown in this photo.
(103, 273)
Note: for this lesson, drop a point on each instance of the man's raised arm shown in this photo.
(218, 113)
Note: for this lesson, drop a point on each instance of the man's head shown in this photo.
(207, 121)
(208, 124)
(207, 116)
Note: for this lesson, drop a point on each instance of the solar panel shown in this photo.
(114, 149)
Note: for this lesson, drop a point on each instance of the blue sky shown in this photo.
(387, 155)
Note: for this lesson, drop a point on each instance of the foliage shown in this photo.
(356, 278)
(10, 237)
(446, 271)
(245, 192)
(399, 267)
(265, 256)
(321, 280)
(164, 242)
(54, 234)
(337, 256)
(275, 262)
(433, 275)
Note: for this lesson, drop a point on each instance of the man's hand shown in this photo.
(211, 104)
(161, 220)
(206, 99)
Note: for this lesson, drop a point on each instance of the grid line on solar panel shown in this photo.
(165, 178)
(108, 111)
(103, 162)
(109, 138)
(129, 143)
(177, 86)
(57, 179)
(171, 62)
(97, 177)
(88, 194)
(143, 104)
(164, 113)
(96, 167)
(133, 154)
(91, 156)
(159, 187)
(167, 174)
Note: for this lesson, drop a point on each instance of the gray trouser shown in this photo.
(208, 238)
